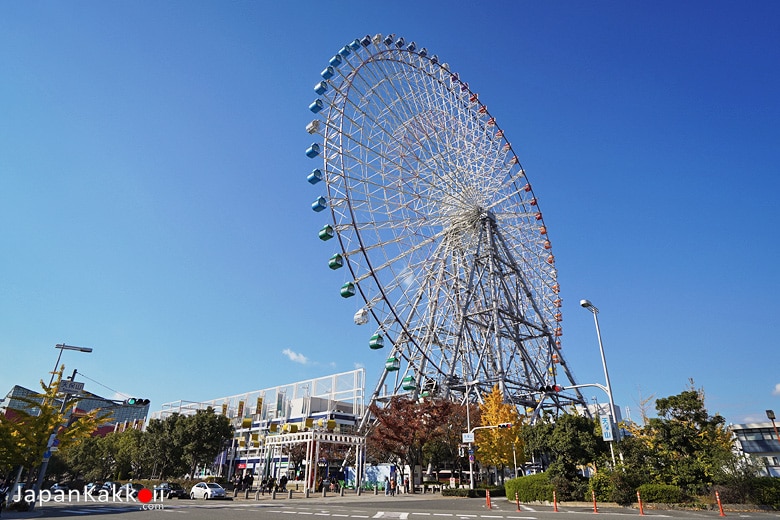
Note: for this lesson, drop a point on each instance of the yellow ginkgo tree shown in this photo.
(25, 433)
(499, 446)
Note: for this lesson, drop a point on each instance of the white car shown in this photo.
(207, 490)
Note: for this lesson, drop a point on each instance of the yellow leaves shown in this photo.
(24, 434)
(497, 446)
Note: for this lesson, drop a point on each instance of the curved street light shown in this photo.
(592, 308)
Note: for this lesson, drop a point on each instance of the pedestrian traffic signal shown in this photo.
(505, 425)
(134, 401)
(550, 388)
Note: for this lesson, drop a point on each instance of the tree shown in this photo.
(691, 445)
(404, 427)
(27, 434)
(203, 436)
(499, 446)
(162, 446)
(565, 443)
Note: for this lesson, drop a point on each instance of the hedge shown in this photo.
(531, 488)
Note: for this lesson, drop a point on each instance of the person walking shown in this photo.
(387, 486)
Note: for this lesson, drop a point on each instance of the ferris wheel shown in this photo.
(438, 230)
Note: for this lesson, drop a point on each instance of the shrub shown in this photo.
(661, 493)
(765, 491)
(473, 493)
(531, 488)
(601, 483)
(623, 488)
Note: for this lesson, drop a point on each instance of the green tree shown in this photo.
(691, 445)
(202, 437)
(163, 446)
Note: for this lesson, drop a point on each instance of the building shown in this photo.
(760, 442)
(269, 423)
(122, 416)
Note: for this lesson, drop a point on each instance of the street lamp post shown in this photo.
(770, 414)
(47, 454)
(63, 346)
(468, 427)
(592, 308)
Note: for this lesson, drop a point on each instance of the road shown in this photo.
(369, 506)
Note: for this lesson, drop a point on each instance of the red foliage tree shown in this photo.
(403, 428)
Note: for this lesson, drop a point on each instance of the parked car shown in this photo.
(92, 488)
(129, 490)
(170, 490)
(207, 490)
(59, 486)
(109, 486)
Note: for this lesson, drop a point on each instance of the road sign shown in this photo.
(471, 458)
(70, 387)
(606, 428)
(468, 437)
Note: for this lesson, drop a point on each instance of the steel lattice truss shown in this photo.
(439, 228)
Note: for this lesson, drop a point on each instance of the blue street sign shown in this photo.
(606, 428)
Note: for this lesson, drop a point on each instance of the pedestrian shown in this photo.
(387, 486)
(283, 483)
(392, 486)
(406, 484)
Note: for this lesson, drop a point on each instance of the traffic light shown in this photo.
(505, 425)
(550, 388)
(134, 401)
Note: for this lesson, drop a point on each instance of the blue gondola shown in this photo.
(321, 87)
(355, 45)
(327, 72)
(315, 176)
(313, 151)
(335, 61)
(316, 105)
(319, 204)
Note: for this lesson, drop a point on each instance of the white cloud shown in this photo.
(776, 390)
(359, 365)
(295, 357)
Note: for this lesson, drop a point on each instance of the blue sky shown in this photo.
(154, 207)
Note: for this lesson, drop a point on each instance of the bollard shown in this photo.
(639, 499)
(341, 491)
(246, 493)
(517, 501)
(376, 490)
(324, 492)
(555, 502)
(359, 490)
(487, 499)
(306, 493)
(235, 492)
(720, 506)
(273, 494)
(257, 494)
(595, 508)
(289, 493)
